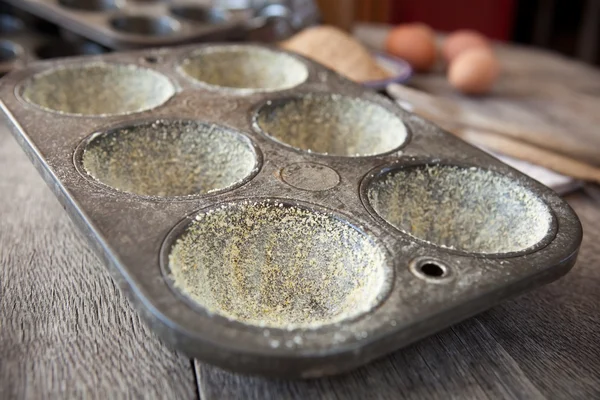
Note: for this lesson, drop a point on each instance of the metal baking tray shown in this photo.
(120, 24)
(268, 216)
(16, 43)
(21, 43)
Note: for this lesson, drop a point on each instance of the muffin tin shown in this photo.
(129, 24)
(15, 43)
(21, 43)
(268, 216)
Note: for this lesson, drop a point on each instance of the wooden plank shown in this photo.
(65, 329)
(453, 364)
(541, 345)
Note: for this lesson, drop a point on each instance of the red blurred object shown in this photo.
(493, 18)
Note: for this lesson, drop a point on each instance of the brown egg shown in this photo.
(414, 43)
(462, 40)
(474, 71)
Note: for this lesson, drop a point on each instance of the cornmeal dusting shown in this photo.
(333, 124)
(467, 209)
(170, 158)
(276, 265)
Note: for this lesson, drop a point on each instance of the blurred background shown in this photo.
(569, 27)
(566, 26)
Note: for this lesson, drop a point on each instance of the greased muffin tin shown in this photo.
(268, 216)
(129, 24)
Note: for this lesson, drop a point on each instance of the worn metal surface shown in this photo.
(133, 233)
(135, 24)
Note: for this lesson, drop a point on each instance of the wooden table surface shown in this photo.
(67, 332)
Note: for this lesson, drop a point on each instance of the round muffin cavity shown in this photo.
(467, 209)
(98, 89)
(332, 124)
(169, 158)
(281, 266)
(247, 68)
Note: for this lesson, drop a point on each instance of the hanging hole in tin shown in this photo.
(89, 5)
(430, 269)
(245, 68)
(98, 89)
(169, 158)
(145, 25)
(332, 124)
(278, 265)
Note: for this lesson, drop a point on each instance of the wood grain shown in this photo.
(553, 333)
(65, 329)
(541, 345)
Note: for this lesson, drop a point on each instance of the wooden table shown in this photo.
(67, 332)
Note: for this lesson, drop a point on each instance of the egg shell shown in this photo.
(474, 71)
(414, 43)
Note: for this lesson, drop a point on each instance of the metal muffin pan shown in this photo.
(130, 24)
(21, 43)
(290, 223)
(16, 42)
